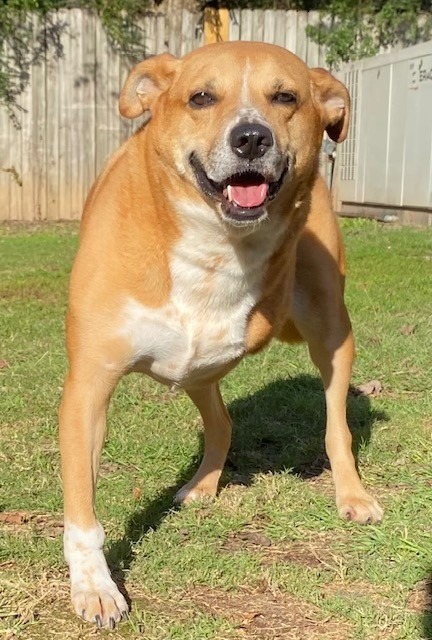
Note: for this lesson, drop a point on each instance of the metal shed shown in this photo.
(384, 168)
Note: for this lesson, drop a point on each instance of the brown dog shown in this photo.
(208, 233)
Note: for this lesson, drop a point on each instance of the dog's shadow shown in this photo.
(280, 427)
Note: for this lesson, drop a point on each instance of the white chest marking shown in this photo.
(215, 285)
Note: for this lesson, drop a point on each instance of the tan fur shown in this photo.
(161, 284)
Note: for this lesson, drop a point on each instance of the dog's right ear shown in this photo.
(145, 83)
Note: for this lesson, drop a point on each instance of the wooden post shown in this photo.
(216, 25)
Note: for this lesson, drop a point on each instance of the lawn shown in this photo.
(269, 558)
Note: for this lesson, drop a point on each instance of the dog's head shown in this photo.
(238, 121)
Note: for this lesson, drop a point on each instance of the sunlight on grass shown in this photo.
(272, 540)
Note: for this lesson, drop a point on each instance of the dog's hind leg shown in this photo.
(95, 597)
(217, 440)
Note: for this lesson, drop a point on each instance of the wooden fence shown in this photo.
(70, 122)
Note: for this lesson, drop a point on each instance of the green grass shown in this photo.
(269, 558)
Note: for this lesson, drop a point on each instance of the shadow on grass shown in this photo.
(280, 427)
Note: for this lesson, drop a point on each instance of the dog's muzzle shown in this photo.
(245, 193)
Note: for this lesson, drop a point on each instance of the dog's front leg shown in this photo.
(95, 597)
(335, 364)
(217, 440)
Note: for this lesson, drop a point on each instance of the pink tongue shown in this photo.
(251, 196)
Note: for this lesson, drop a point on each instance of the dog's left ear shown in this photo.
(145, 83)
(332, 100)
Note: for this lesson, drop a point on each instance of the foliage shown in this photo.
(23, 42)
(28, 33)
(352, 29)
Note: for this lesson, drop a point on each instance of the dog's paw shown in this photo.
(95, 596)
(362, 509)
(192, 492)
(104, 608)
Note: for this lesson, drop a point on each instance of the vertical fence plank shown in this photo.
(198, 29)
(14, 167)
(246, 24)
(102, 99)
(27, 150)
(52, 111)
(234, 27)
(175, 30)
(150, 34)
(325, 23)
(87, 152)
(269, 26)
(161, 45)
(279, 33)
(301, 46)
(186, 33)
(5, 170)
(291, 31)
(39, 133)
(65, 91)
(216, 25)
(75, 117)
(258, 25)
(312, 55)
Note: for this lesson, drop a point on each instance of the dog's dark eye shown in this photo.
(284, 97)
(202, 99)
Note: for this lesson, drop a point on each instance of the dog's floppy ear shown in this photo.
(332, 100)
(145, 83)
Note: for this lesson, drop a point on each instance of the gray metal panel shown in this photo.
(375, 118)
(392, 137)
(397, 126)
(417, 173)
(348, 151)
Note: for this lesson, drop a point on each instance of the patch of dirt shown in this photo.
(323, 483)
(164, 396)
(358, 589)
(372, 388)
(47, 525)
(108, 467)
(408, 329)
(61, 227)
(314, 553)
(30, 292)
(269, 615)
(246, 539)
(300, 553)
(420, 598)
(29, 598)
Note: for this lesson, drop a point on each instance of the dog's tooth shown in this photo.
(229, 193)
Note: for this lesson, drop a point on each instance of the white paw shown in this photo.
(103, 606)
(95, 597)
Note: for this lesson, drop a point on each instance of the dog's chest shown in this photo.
(201, 331)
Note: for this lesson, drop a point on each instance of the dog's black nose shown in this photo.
(251, 140)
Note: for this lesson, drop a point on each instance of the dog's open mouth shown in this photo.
(243, 195)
